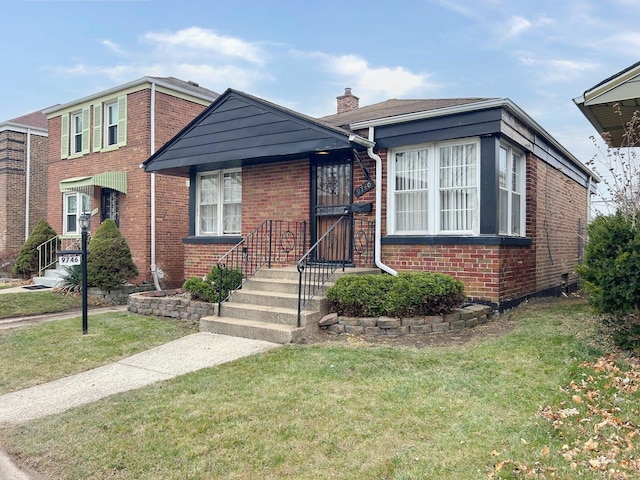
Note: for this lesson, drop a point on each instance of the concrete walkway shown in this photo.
(184, 355)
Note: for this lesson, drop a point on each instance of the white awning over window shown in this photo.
(113, 180)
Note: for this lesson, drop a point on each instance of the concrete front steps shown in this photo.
(52, 277)
(266, 308)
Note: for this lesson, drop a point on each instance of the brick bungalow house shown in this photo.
(471, 187)
(96, 146)
(23, 178)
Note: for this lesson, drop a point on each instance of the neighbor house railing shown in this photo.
(273, 242)
(47, 251)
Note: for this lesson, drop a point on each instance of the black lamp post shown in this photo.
(84, 221)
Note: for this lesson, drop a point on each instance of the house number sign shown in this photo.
(68, 260)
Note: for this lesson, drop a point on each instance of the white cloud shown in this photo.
(200, 40)
(558, 70)
(375, 83)
(114, 47)
(517, 25)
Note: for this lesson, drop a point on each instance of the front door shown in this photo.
(332, 187)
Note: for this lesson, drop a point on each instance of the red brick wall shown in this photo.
(172, 114)
(503, 273)
(495, 273)
(278, 191)
(561, 203)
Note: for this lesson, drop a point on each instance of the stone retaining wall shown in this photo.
(170, 303)
(460, 318)
(117, 296)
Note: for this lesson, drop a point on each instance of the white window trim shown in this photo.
(220, 203)
(65, 211)
(105, 138)
(522, 192)
(73, 134)
(433, 227)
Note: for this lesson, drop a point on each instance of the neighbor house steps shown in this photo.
(52, 277)
(266, 308)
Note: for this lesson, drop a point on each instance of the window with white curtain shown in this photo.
(511, 197)
(219, 203)
(435, 189)
(74, 205)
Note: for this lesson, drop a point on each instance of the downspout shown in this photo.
(378, 226)
(27, 185)
(154, 270)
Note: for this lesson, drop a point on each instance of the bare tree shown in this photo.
(619, 167)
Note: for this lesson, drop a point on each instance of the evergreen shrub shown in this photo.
(408, 294)
(27, 262)
(206, 289)
(109, 263)
(610, 276)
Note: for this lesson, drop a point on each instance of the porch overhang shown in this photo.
(113, 180)
(611, 104)
(241, 130)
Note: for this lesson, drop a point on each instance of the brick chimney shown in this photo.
(347, 102)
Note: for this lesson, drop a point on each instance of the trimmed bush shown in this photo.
(408, 294)
(206, 289)
(109, 263)
(610, 275)
(424, 293)
(610, 272)
(360, 295)
(27, 262)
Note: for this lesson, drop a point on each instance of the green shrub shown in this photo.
(27, 262)
(408, 294)
(109, 263)
(610, 275)
(360, 295)
(424, 293)
(206, 289)
(610, 272)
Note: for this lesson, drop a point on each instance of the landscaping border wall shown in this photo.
(170, 303)
(460, 318)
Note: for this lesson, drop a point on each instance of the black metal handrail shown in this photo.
(363, 242)
(321, 261)
(271, 242)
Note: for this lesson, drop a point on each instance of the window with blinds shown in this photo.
(435, 189)
(219, 198)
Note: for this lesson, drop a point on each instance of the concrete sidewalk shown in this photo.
(184, 355)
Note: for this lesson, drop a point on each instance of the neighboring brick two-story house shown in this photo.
(471, 187)
(23, 178)
(96, 147)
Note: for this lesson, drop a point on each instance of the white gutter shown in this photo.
(27, 185)
(154, 270)
(378, 226)
(470, 107)
(136, 83)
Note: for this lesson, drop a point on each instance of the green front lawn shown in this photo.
(498, 407)
(33, 355)
(36, 303)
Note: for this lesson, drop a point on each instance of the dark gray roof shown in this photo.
(394, 107)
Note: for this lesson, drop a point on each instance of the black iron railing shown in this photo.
(273, 242)
(363, 242)
(319, 263)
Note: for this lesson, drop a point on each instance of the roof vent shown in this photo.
(192, 83)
